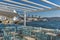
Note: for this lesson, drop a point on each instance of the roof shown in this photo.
(29, 5)
(8, 14)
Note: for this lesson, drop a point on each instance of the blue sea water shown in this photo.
(45, 24)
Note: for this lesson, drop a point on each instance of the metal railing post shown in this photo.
(24, 18)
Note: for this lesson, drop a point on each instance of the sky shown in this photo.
(54, 13)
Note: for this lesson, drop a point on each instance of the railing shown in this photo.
(22, 33)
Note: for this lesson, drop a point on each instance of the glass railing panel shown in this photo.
(12, 32)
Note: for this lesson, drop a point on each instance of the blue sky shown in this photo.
(54, 13)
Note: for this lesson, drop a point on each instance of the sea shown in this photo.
(45, 24)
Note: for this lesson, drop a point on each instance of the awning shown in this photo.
(29, 5)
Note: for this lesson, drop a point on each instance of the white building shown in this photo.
(2, 18)
(15, 18)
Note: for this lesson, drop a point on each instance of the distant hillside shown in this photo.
(52, 18)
